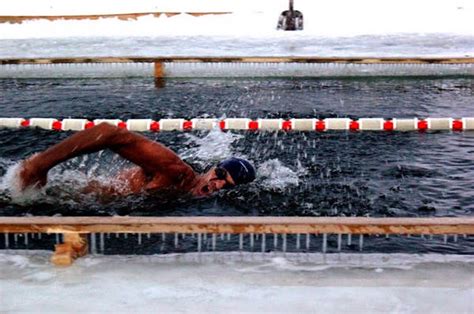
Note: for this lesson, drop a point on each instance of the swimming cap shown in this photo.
(239, 169)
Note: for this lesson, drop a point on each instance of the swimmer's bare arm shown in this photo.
(151, 156)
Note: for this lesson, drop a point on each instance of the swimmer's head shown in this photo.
(227, 174)
(240, 170)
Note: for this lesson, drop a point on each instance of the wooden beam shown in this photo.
(339, 60)
(159, 71)
(237, 225)
(18, 19)
(75, 245)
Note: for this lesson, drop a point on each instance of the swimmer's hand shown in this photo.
(31, 176)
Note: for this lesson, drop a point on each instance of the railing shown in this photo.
(17, 19)
(75, 229)
(263, 59)
(230, 66)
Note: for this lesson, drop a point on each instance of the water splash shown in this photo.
(10, 185)
(276, 176)
(64, 186)
(215, 145)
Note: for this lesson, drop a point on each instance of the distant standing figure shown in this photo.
(290, 20)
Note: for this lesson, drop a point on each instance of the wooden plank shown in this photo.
(338, 60)
(18, 19)
(75, 245)
(237, 225)
(159, 71)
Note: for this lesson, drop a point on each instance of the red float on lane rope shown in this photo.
(25, 123)
(155, 126)
(457, 125)
(354, 125)
(89, 125)
(253, 125)
(422, 125)
(187, 125)
(286, 125)
(388, 125)
(320, 125)
(122, 125)
(222, 124)
(57, 125)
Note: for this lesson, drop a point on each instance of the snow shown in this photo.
(239, 282)
(249, 18)
(332, 28)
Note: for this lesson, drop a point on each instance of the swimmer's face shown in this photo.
(213, 181)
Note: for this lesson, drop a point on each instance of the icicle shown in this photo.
(455, 238)
(25, 238)
(263, 242)
(163, 236)
(228, 237)
(108, 235)
(39, 236)
(183, 236)
(15, 239)
(339, 242)
(275, 240)
(361, 242)
(284, 242)
(32, 236)
(57, 238)
(308, 239)
(445, 238)
(431, 237)
(116, 235)
(176, 240)
(139, 239)
(349, 239)
(297, 241)
(199, 242)
(222, 236)
(93, 244)
(325, 242)
(241, 241)
(7, 240)
(408, 236)
(387, 236)
(125, 235)
(214, 237)
(101, 242)
(464, 236)
(251, 241)
(148, 235)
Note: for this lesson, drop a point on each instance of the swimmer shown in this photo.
(157, 168)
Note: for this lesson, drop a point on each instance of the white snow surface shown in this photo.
(332, 28)
(239, 282)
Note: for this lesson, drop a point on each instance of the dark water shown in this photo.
(305, 174)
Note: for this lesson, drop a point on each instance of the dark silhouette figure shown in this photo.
(290, 20)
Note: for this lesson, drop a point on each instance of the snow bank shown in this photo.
(250, 18)
(234, 282)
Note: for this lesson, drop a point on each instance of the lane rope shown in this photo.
(308, 124)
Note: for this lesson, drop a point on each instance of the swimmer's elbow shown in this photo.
(111, 134)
